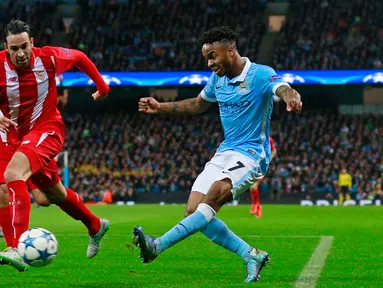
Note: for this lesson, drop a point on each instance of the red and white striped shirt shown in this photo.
(28, 96)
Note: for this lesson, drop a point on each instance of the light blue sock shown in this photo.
(188, 226)
(218, 232)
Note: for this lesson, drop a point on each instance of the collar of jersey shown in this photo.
(13, 67)
(241, 77)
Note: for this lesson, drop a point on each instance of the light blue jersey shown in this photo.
(245, 105)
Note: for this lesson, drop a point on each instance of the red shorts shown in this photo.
(40, 145)
(45, 178)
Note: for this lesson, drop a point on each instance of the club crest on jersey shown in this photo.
(40, 75)
(243, 87)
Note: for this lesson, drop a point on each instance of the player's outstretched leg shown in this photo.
(6, 229)
(150, 248)
(95, 239)
(200, 220)
(97, 227)
(255, 264)
(71, 203)
(218, 232)
(10, 256)
(255, 259)
(146, 244)
(17, 172)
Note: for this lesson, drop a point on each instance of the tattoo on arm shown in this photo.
(283, 91)
(187, 106)
(286, 93)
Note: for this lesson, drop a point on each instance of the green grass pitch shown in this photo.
(289, 233)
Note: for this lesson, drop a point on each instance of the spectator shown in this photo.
(345, 183)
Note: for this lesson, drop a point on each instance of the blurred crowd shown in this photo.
(157, 154)
(331, 34)
(162, 35)
(146, 34)
(130, 154)
(315, 147)
(153, 35)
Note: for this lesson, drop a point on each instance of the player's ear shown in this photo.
(231, 51)
(32, 42)
(6, 46)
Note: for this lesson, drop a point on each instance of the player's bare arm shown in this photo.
(195, 105)
(291, 98)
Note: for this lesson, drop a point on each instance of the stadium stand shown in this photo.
(133, 156)
(331, 34)
(146, 35)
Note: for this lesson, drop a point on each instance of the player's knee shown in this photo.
(189, 210)
(56, 195)
(43, 203)
(12, 175)
(56, 198)
(219, 194)
(4, 196)
(18, 169)
(41, 199)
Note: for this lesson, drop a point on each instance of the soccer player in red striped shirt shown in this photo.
(35, 134)
(256, 207)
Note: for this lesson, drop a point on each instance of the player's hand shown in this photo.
(294, 103)
(97, 96)
(148, 105)
(5, 123)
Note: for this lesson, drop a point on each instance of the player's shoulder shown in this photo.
(54, 51)
(264, 73)
(47, 50)
(260, 68)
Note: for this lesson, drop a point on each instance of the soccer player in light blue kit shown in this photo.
(244, 92)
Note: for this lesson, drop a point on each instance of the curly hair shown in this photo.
(218, 34)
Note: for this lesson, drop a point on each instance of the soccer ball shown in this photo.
(37, 247)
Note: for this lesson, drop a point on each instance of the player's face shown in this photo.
(19, 47)
(219, 57)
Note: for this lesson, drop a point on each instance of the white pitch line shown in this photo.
(200, 236)
(310, 274)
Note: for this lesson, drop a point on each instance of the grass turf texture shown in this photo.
(355, 258)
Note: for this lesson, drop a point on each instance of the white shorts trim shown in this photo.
(240, 169)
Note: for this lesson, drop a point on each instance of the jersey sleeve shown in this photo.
(208, 92)
(65, 59)
(270, 81)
